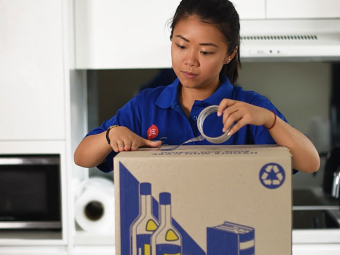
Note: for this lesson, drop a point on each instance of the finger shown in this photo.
(121, 145)
(156, 144)
(224, 104)
(152, 144)
(229, 120)
(229, 111)
(128, 144)
(114, 146)
(238, 125)
(135, 145)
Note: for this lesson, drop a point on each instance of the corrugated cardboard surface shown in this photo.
(210, 185)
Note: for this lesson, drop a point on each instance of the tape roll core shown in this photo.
(200, 121)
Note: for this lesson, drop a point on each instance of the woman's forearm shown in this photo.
(305, 156)
(92, 150)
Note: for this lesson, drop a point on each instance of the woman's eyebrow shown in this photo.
(203, 44)
(182, 37)
(209, 44)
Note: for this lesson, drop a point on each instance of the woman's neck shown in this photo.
(187, 96)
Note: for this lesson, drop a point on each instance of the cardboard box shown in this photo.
(204, 200)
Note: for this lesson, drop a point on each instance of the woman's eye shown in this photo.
(180, 46)
(206, 52)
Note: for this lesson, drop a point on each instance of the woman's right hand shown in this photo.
(123, 139)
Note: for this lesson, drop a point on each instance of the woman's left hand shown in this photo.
(242, 113)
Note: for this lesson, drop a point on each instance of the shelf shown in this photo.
(90, 250)
(93, 238)
(30, 237)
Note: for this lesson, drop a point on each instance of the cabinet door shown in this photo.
(290, 9)
(250, 9)
(133, 33)
(31, 70)
(123, 34)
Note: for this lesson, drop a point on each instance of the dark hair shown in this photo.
(221, 13)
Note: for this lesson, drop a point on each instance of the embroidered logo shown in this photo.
(152, 132)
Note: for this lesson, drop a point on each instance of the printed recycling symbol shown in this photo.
(272, 175)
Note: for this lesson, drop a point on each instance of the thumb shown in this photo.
(152, 144)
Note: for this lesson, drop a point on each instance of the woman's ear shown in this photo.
(231, 56)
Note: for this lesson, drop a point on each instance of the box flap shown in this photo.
(211, 151)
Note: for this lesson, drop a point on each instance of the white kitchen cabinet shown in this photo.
(133, 34)
(123, 34)
(302, 9)
(250, 9)
(31, 70)
(33, 250)
(37, 115)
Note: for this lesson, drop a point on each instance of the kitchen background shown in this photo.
(62, 70)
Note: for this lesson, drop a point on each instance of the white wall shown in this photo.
(300, 91)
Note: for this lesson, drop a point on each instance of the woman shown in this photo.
(205, 55)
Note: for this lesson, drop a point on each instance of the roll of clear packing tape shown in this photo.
(200, 121)
(94, 205)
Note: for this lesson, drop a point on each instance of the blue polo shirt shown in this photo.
(160, 107)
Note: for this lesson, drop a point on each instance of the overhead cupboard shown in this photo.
(287, 9)
(31, 71)
(302, 9)
(135, 34)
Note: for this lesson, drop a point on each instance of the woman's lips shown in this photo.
(189, 75)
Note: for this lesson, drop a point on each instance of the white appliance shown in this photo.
(303, 39)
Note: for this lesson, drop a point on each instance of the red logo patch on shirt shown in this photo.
(152, 132)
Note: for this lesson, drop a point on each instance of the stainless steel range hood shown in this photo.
(290, 40)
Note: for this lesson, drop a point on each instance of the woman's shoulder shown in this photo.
(158, 94)
(153, 91)
(149, 94)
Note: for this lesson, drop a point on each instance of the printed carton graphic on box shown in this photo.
(145, 224)
(149, 235)
(272, 176)
(166, 239)
(229, 239)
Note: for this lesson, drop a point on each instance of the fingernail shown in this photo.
(223, 130)
(230, 133)
(218, 114)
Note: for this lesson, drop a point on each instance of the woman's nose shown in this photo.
(191, 59)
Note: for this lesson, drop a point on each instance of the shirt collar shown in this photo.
(224, 91)
(169, 96)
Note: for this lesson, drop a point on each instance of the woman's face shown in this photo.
(198, 52)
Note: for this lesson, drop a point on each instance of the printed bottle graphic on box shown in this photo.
(144, 225)
(166, 240)
(230, 239)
